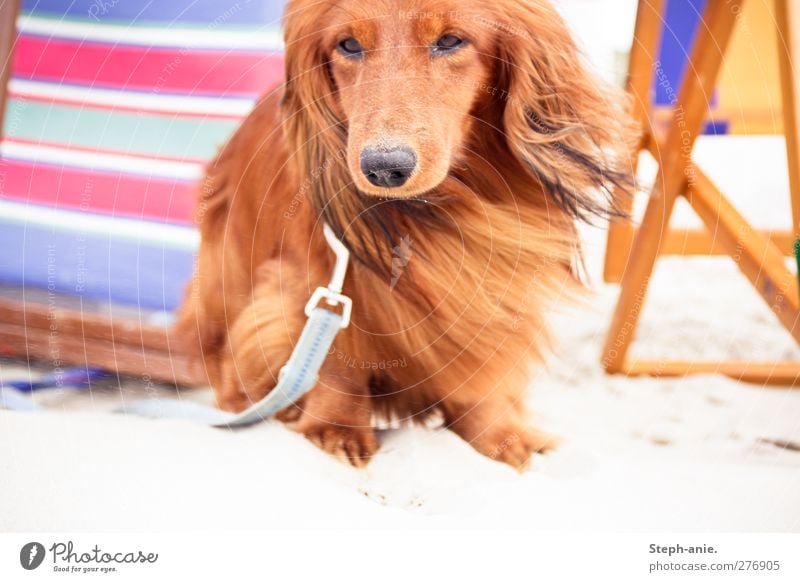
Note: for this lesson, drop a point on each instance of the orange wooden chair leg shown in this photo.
(646, 39)
(706, 59)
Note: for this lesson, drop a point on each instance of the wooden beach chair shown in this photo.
(761, 256)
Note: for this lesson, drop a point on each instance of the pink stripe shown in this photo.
(99, 192)
(233, 73)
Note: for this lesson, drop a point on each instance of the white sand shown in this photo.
(640, 454)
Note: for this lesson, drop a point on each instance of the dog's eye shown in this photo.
(447, 43)
(350, 47)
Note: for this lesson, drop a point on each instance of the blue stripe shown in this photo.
(93, 266)
(682, 21)
(249, 13)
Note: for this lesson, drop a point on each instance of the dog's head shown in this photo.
(385, 97)
(404, 83)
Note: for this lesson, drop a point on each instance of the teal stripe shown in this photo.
(139, 133)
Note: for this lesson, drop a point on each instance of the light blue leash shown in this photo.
(297, 377)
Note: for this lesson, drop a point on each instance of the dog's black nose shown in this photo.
(388, 168)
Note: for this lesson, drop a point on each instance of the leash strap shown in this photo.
(298, 376)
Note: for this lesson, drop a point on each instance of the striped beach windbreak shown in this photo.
(114, 106)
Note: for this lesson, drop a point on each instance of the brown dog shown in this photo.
(453, 146)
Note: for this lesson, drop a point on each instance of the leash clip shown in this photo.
(333, 292)
(333, 299)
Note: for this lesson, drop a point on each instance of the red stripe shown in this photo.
(99, 192)
(233, 73)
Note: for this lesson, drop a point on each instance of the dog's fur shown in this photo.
(454, 271)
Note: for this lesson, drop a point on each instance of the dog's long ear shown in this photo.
(312, 125)
(567, 128)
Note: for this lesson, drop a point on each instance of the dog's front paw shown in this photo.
(356, 445)
(514, 445)
(505, 438)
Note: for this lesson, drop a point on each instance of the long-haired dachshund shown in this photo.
(453, 146)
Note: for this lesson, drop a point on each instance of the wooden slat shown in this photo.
(700, 242)
(8, 19)
(87, 325)
(704, 64)
(646, 39)
(125, 346)
(779, 374)
(694, 242)
(62, 350)
(760, 261)
(787, 15)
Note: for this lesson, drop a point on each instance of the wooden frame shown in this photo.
(632, 252)
(8, 36)
(37, 331)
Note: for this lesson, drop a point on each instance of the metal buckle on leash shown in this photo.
(333, 292)
(332, 299)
